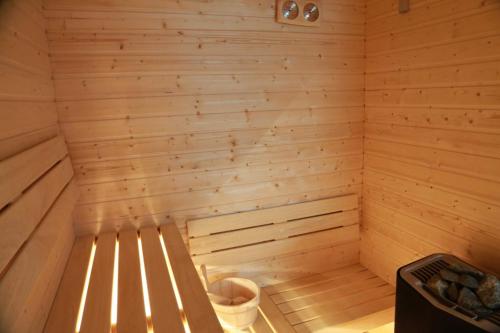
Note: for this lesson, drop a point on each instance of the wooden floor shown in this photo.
(346, 300)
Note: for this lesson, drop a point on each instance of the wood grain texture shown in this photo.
(260, 217)
(196, 305)
(164, 116)
(97, 311)
(30, 284)
(273, 315)
(37, 197)
(27, 108)
(131, 311)
(164, 309)
(431, 134)
(64, 311)
(20, 171)
(19, 220)
(98, 263)
(285, 242)
(349, 299)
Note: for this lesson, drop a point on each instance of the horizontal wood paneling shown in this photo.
(22, 170)
(23, 216)
(27, 108)
(30, 284)
(432, 135)
(37, 194)
(175, 110)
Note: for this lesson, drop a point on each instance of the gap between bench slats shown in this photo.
(199, 311)
(63, 316)
(165, 314)
(285, 246)
(217, 224)
(131, 315)
(97, 314)
(222, 241)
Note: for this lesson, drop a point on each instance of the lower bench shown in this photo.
(133, 281)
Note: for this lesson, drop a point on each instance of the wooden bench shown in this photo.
(276, 244)
(306, 258)
(107, 277)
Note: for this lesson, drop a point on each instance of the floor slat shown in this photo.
(164, 309)
(97, 313)
(199, 312)
(293, 285)
(373, 321)
(350, 299)
(64, 312)
(131, 312)
(339, 304)
(343, 292)
(333, 320)
(342, 282)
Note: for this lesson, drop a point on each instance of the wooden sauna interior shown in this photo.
(140, 139)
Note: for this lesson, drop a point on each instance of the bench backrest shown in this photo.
(251, 236)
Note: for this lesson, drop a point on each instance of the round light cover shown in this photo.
(290, 10)
(311, 12)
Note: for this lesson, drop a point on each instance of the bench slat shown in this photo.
(97, 313)
(131, 313)
(164, 310)
(207, 244)
(211, 225)
(65, 308)
(279, 247)
(199, 312)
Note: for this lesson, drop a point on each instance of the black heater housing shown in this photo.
(419, 311)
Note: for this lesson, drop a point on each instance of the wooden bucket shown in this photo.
(235, 301)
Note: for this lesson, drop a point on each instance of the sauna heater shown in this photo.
(418, 310)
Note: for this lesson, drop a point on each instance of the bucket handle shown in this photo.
(206, 283)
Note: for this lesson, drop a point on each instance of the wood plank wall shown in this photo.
(27, 110)
(432, 146)
(37, 196)
(181, 109)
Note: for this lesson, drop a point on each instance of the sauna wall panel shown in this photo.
(432, 133)
(181, 109)
(37, 194)
(27, 110)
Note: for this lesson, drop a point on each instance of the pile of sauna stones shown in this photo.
(467, 287)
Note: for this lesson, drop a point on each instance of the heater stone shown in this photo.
(448, 275)
(438, 286)
(489, 292)
(468, 300)
(464, 269)
(468, 281)
(452, 292)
